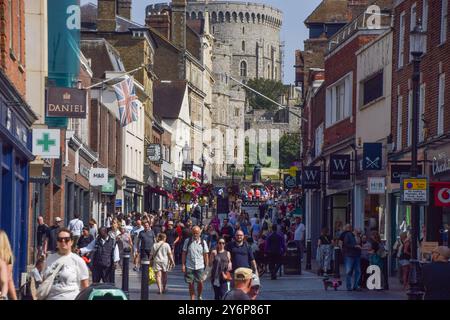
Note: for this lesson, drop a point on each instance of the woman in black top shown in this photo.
(221, 265)
(324, 251)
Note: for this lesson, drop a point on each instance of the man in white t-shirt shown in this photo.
(76, 227)
(299, 236)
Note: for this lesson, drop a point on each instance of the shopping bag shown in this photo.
(151, 276)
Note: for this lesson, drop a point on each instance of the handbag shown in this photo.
(227, 276)
(44, 289)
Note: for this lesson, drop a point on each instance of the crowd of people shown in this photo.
(232, 251)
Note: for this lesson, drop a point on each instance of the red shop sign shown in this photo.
(441, 194)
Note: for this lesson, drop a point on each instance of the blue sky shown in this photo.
(293, 32)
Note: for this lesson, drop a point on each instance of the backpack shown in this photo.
(191, 239)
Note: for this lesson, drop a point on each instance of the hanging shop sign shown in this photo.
(84, 171)
(340, 167)
(311, 177)
(372, 155)
(440, 164)
(118, 203)
(46, 143)
(414, 190)
(298, 178)
(66, 102)
(401, 170)
(289, 181)
(98, 177)
(154, 152)
(131, 184)
(442, 195)
(376, 185)
(110, 187)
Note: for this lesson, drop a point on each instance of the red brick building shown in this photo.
(16, 118)
(434, 94)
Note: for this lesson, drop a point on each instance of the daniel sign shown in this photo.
(98, 177)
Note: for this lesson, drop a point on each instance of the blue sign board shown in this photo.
(118, 203)
(372, 156)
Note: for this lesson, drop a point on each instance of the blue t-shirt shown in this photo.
(241, 256)
(244, 229)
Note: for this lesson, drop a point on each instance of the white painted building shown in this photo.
(373, 125)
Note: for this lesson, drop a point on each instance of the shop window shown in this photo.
(373, 88)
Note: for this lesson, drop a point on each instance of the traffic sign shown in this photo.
(414, 190)
(46, 143)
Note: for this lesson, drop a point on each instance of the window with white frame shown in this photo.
(372, 88)
(318, 140)
(339, 100)
(422, 95)
(401, 41)
(399, 122)
(441, 101)
(413, 23)
(413, 17)
(410, 114)
(444, 15)
(425, 15)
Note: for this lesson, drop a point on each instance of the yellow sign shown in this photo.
(415, 184)
(428, 247)
(293, 171)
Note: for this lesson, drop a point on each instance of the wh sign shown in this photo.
(311, 177)
(340, 167)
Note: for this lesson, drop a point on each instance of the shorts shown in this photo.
(145, 255)
(192, 276)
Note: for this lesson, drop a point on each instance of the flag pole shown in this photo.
(114, 78)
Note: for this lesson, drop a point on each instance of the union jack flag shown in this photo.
(128, 101)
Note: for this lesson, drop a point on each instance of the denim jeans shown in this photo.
(352, 264)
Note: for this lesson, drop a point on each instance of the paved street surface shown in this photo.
(307, 286)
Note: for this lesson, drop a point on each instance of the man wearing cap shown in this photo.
(436, 275)
(242, 285)
(50, 237)
(254, 290)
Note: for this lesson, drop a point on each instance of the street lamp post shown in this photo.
(187, 164)
(417, 48)
(201, 183)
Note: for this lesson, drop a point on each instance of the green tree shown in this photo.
(289, 150)
(270, 88)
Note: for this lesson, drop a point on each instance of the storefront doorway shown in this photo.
(340, 213)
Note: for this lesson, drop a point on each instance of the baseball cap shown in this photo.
(255, 281)
(243, 274)
(58, 219)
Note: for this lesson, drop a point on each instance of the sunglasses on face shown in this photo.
(65, 239)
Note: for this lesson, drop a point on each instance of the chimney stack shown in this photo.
(106, 16)
(160, 22)
(179, 23)
(124, 8)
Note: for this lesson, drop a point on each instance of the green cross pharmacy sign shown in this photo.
(46, 143)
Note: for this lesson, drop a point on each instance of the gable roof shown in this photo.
(329, 11)
(168, 98)
(104, 57)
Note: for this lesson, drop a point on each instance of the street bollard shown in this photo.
(308, 254)
(126, 270)
(337, 262)
(145, 264)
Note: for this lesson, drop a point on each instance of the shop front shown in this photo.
(16, 118)
(132, 196)
(438, 213)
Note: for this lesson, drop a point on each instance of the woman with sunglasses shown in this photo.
(73, 274)
(220, 269)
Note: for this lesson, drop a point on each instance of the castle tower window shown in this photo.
(243, 30)
(227, 17)
(200, 15)
(268, 71)
(253, 18)
(243, 69)
(193, 16)
(241, 16)
(221, 17)
(214, 17)
(234, 17)
(243, 45)
(247, 17)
